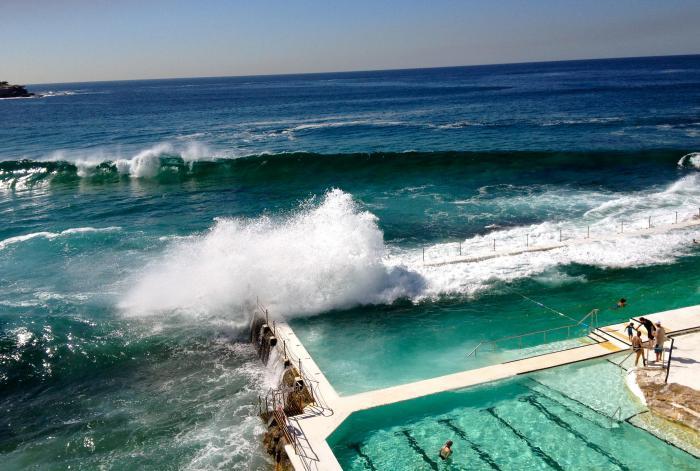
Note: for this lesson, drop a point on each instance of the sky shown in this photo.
(49, 41)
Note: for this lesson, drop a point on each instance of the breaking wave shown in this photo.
(326, 255)
(691, 160)
(330, 254)
(53, 235)
(183, 161)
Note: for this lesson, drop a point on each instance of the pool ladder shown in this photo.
(617, 413)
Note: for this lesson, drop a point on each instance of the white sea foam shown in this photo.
(324, 256)
(691, 160)
(349, 123)
(459, 125)
(22, 179)
(146, 163)
(230, 438)
(604, 218)
(52, 235)
(574, 121)
(143, 164)
(331, 255)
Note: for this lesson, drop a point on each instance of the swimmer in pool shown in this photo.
(446, 450)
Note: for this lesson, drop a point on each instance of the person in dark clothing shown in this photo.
(649, 326)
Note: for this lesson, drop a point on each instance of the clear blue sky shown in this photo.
(79, 40)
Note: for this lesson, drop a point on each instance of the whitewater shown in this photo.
(331, 254)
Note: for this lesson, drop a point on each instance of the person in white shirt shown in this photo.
(659, 340)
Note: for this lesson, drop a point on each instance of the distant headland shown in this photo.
(13, 91)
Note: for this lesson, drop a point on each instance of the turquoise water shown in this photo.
(141, 220)
(408, 342)
(556, 419)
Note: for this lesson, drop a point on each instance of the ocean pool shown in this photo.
(574, 417)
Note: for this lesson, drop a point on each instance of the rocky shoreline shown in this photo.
(13, 91)
(673, 401)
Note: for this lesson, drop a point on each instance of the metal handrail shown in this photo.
(473, 352)
(618, 411)
(593, 313)
(668, 365)
(281, 418)
(624, 360)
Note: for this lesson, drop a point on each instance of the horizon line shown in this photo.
(288, 74)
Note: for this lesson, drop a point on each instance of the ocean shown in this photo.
(142, 219)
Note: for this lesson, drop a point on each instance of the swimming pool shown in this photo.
(379, 346)
(575, 417)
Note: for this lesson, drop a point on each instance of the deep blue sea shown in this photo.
(140, 219)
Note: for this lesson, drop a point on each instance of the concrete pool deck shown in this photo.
(320, 420)
(685, 362)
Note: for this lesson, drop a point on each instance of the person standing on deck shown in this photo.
(649, 326)
(659, 342)
(638, 348)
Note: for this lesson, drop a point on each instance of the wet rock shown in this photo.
(673, 401)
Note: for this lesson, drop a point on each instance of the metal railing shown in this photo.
(282, 420)
(668, 365)
(288, 356)
(276, 400)
(619, 365)
(647, 223)
(617, 413)
(519, 337)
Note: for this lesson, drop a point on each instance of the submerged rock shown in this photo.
(13, 91)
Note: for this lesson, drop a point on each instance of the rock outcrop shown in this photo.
(672, 401)
(13, 91)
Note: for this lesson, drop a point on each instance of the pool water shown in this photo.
(406, 342)
(555, 419)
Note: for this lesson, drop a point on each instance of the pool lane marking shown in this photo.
(485, 457)
(535, 449)
(567, 426)
(564, 406)
(414, 444)
(363, 455)
(570, 398)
